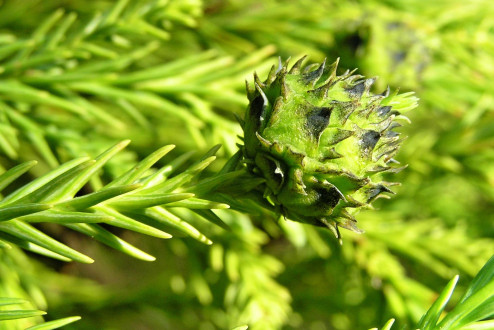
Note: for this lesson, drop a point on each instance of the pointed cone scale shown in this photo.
(312, 77)
(250, 91)
(295, 69)
(271, 75)
(263, 95)
(263, 141)
(277, 107)
(280, 65)
(350, 224)
(331, 153)
(285, 64)
(285, 90)
(322, 91)
(258, 81)
(386, 92)
(332, 70)
(331, 225)
(239, 120)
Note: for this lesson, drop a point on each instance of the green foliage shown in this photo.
(13, 314)
(473, 310)
(79, 77)
(142, 207)
(16, 314)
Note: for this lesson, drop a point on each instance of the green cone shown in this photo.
(321, 141)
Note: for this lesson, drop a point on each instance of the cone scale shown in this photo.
(321, 141)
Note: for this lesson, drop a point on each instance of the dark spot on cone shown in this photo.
(382, 111)
(391, 134)
(328, 197)
(313, 76)
(369, 140)
(375, 191)
(331, 154)
(256, 108)
(317, 121)
(357, 90)
(272, 171)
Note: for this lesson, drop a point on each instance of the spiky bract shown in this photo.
(321, 141)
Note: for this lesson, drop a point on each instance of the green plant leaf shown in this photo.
(30, 246)
(28, 233)
(19, 314)
(477, 303)
(55, 324)
(429, 320)
(15, 211)
(107, 238)
(5, 301)
(145, 201)
(15, 172)
(160, 217)
(86, 201)
(43, 180)
(138, 170)
(122, 221)
(196, 203)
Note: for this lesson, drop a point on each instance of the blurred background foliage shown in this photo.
(76, 77)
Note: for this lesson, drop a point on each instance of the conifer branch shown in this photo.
(139, 200)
